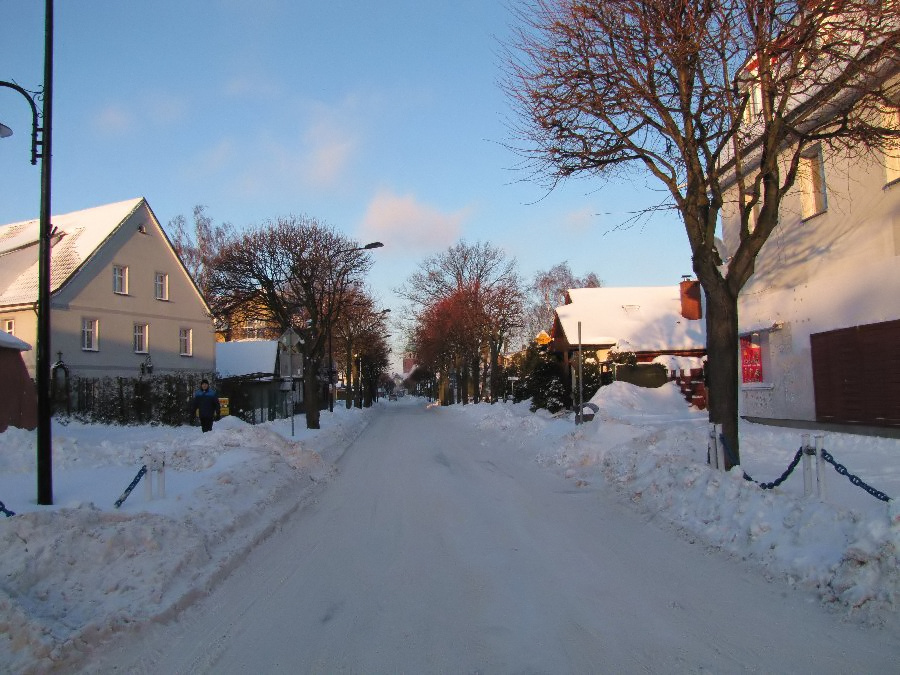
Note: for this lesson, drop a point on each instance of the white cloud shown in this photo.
(580, 221)
(114, 119)
(328, 150)
(409, 224)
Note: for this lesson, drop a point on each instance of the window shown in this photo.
(120, 279)
(892, 154)
(9, 326)
(754, 103)
(141, 338)
(812, 182)
(751, 358)
(161, 286)
(753, 218)
(186, 341)
(90, 335)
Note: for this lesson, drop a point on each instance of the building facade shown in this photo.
(122, 303)
(820, 317)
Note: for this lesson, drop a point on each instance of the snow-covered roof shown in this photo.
(246, 357)
(8, 341)
(77, 236)
(644, 318)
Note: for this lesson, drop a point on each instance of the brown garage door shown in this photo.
(856, 374)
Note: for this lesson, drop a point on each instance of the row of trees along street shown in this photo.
(715, 100)
(292, 272)
(468, 305)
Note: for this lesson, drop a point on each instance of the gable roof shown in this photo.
(246, 357)
(76, 236)
(644, 318)
(8, 341)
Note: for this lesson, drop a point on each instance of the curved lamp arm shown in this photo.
(35, 116)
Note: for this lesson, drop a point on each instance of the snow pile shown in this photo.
(80, 571)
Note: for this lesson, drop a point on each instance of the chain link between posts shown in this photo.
(5, 511)
(137, 479)
(856, 480)
(827, 456)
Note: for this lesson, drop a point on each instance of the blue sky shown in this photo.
(384, 119)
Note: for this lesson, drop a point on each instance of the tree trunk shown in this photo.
(723, 366)
(311, 393)
(348, 379)
(495, 371)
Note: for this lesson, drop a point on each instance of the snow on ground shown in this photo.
(81, 571)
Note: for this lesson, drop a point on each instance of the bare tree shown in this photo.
(482, 283)
(198, 246)
(712, 98)
(360, 334)
(292, 272)
(547, 292)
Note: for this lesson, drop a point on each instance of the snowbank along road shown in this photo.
(437, 548)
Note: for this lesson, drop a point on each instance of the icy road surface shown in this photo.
(435, 550)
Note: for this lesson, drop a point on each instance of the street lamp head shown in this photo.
(5, 131)
(374, 244)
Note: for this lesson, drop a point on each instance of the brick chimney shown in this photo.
(691, 307)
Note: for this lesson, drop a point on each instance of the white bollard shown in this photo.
(148, 483)
(821, 466)
(155, 463)
(720, 448)
(807, 466)
(161, 478)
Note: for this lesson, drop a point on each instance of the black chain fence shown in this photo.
(137, 479)
(827, 456)
(5, 511)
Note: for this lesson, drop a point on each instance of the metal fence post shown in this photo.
(820, 465)
(807, 466)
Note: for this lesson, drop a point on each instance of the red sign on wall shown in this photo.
(751, 359)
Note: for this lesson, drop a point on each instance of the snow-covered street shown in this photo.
(408, 538)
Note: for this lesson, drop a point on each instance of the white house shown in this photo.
(820, 317)
(122, 302)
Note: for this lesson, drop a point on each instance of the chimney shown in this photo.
(691, 308)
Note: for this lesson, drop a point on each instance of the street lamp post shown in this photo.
(42, 356)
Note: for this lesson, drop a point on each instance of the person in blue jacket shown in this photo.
(206, 403)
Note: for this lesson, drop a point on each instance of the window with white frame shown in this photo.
(186, 341)
(811, 176)
(9, 326)
(892, 153)
(120, 279)
(161, 286)
(90, 335)
(141, 338)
